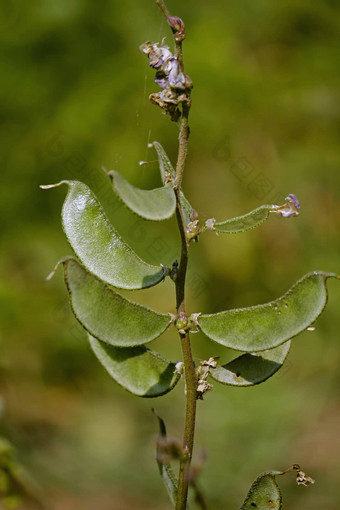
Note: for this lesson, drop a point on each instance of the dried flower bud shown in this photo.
(167, 103)
(202, 388)
(212, 362)
(303, 479)
(146, 47)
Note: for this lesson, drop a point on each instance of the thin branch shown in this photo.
(189, 365)
(162, 6)
(190, 418)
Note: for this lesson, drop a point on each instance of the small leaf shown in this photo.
(264, 494)
(138, 369)
(168, 172)
(250, 369)
(165, 166)
(98, 244)
(245, 222)
(157, 204)
(266, 326)
(107, 315)
(165, 469)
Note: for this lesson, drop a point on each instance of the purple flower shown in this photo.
(158, 56)
(161, 79)
(176, 76)
(292, 197)
(290, 208)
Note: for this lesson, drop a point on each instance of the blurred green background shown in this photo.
(265, 122)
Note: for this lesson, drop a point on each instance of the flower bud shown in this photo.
(182, 323)
(176, 23)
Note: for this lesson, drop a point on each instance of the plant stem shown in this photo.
(190, 373)
(162, 6)
(183, 144)
(189, 365)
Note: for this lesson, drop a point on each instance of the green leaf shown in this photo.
(250, 369)
(98, 244)
(157, 204)
(165, 469)
(165, 166)
(266, 326)
(245, 222)
(168, 171)
(138, 369)
(107, 315)
(264, 494)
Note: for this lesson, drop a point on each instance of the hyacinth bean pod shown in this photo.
(98, 245)
(107, 315)
(262, 327)
(141, 371)
(250, 369)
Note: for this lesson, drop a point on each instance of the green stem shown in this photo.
(162, 6)
(189, 428)
(189, 365)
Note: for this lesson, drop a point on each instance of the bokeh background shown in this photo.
(265, 122)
